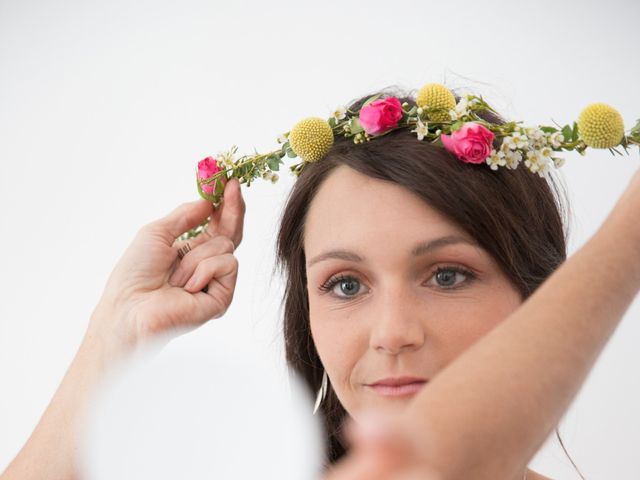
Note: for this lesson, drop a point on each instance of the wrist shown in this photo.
(103, 342)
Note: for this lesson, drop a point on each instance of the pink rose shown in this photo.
(471, 144)
(380, 115)
(206, 168)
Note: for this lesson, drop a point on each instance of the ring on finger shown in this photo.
(182, 251)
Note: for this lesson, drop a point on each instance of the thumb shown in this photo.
(183, 218)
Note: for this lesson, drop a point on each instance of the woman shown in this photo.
(441, 285)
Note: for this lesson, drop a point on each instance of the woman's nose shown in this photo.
(396, 325)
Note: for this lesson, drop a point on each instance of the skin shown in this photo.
(149, 293)
(396, 317)
(499, 418)
(392, 314)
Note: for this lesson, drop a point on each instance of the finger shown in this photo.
(216, 246)
(223, 268)
(215, 302)
(229, 219)
(183, 218)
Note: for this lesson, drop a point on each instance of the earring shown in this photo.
(322, 392)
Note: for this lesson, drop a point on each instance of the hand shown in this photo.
(382, 450)
(152, 291)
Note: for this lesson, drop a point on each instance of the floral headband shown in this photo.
(437, 118)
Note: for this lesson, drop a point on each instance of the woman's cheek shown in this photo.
(336, 343)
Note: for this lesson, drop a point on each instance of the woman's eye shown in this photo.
(342, 286)
(446, 277)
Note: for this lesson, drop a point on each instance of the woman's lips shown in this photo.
(397, 390)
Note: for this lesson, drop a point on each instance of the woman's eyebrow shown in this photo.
(421, 248)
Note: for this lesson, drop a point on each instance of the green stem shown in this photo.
(253, 160)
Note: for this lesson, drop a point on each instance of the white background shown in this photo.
(105, 108)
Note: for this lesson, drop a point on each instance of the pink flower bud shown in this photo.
(207, 167)
(381, 115)
(472, 143)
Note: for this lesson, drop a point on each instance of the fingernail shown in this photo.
(190, 283)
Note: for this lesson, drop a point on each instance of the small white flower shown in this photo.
(267, 175)
(461, 109)
(533, 160)
(340, 113)
(534, 133)
(282, 138)
(537, 162)
(420, 110)
(510, 142)
(513, 158)
(519, 140)
(422, 129)
(537, 138)
(546, 153)
(274, 178)
(556, 139)
(496, 159)
(544, 168)
(226, 158)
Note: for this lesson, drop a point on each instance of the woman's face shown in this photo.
(379, 308)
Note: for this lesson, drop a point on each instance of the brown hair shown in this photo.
(517, 216)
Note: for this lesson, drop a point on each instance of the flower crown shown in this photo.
(437, 117)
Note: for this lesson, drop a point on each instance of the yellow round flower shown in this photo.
(436, 95)
(311, 139)
(600, 126)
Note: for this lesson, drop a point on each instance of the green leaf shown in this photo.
(371, 99)
(456, 125)
(574, 133)
(548, 129)
(567, 133)
(332, 122)
(274, 163)
(354, 125)
(291, 153)
(206, 196)
(219, 188)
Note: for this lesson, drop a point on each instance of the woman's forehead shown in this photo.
(353, 209)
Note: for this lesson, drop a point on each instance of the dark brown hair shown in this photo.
(518, 217)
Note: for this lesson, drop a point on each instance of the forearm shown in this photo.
(488, 412)
(51, 449)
